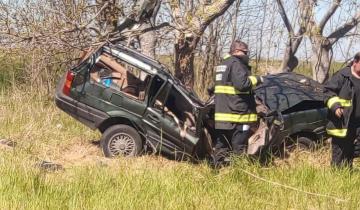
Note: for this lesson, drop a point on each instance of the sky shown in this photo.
(347, 46)
(270, 42)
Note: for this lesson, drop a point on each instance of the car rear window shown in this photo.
(119, 75)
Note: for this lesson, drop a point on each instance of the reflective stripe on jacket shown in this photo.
(234, 99)
(338, 92)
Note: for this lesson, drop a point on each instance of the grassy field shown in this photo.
(90, 181)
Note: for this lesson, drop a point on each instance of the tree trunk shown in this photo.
(148, 43)
(205, 68)
(184, 61)
(235, 20)
(290, 61)
(320, 59)
(213, 58)
(208, 60)
(192, 26)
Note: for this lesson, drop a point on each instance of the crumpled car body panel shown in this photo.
(297, 103)
(284, 91)
(291, 105)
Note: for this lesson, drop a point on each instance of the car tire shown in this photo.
(306, 143)
(121, 140)
(301, 143)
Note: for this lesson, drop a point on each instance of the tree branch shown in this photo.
(305, 11)
(342, 30)
(330, 12)
(209, 13)
(285, 17)
(127, 34)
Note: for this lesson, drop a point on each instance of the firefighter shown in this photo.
(235, 107)
(342, 97)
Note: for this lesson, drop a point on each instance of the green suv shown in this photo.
(138, 106)
(135, 103)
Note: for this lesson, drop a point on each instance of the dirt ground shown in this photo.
(89, 153)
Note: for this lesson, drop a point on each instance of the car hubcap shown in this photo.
(122, 144)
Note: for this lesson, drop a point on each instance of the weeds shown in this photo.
(90, 181)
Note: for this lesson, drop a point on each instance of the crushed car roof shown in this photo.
(283, 91)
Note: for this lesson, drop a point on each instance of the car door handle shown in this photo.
(154, 118)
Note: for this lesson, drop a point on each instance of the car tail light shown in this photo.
(67, 85)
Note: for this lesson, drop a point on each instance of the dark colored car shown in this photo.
(297, 101)
(134, 102)
(139, 106)
(291, 111)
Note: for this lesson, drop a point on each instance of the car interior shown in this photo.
(114, 73)
(120, 76)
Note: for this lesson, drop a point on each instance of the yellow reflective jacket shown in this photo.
(234, 98)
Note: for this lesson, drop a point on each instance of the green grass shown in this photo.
(90, 181)
(143, 184)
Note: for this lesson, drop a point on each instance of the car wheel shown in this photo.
(301, 143)
(121, 140)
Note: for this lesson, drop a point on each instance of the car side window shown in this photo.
(176, 108)
(178, 104)
(158, 92)
(116, 74)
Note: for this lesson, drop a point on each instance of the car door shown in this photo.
(177, 105)
(162, 128)
(153, 116)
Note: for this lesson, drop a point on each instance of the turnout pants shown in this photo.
(231, 141)
(343, 149)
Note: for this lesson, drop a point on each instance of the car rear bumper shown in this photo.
(87, 115)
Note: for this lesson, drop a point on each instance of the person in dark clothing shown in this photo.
(342, 97)
(235, 107)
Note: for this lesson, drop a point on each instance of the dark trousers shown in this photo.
(231, 141)
(343, 149)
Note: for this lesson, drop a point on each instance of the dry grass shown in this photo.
(90, 181)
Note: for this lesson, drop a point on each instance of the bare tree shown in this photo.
(191, 21)
(209, 58)
(50, 35)
(290, 61)
(44, 34)
(322, 45)
(235, 18)
(142, 18)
